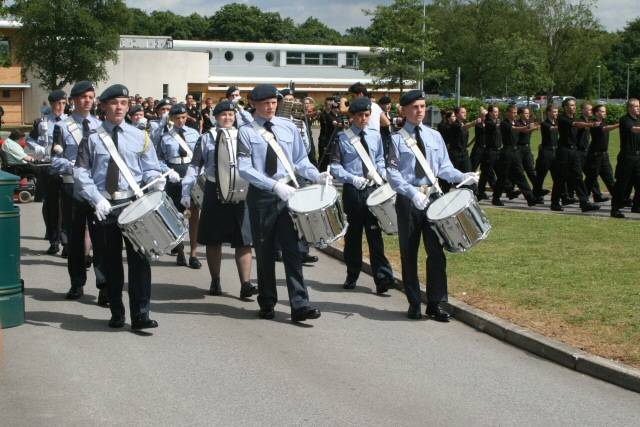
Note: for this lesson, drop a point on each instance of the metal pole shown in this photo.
(458, 88)
(598, 66)
(424, 30)
(628, 67)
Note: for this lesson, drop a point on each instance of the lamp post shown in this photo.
(598, 67)
(628, 75)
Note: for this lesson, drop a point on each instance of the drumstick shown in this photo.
(464, 181)
(121, 205)
(156, 180)
(326, 181)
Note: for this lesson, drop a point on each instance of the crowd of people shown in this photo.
(103, 150)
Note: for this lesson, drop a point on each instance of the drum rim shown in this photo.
(121, 218)
(381, 189)
(308, 188)
(469, 203)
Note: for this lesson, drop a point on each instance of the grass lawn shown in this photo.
(573, 278)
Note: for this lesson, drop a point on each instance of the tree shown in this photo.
(625, 56)
(402, 39)
(312, 31)
(239, 22)
(63, 41)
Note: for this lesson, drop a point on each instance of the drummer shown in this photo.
(175, 151)
(348, 168)
(99, 181)
(220, 222)
(155, 127)
(415, 192)
(270, 188)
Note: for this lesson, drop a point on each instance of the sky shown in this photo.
(341, 14)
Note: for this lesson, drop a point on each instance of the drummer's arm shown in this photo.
(161, 156)
(337, 170)
(245, 162)
(149, 164)
(193, 170)
(83, 180)
(59, 162)
(394, 176)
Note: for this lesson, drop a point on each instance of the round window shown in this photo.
(228, 55)
(248, 56)
(269, 56)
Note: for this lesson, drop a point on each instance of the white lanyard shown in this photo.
(362, 153)
(181, 142)
(115, 155)
(413, 145)
(271, 140)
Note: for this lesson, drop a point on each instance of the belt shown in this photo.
(424, 189)
(118, 195)
(179, 160)
(67, 179)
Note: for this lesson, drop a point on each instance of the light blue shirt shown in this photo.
(345, 161)
(42, 138)
(402, 162)
(204, 155)
(252, 153)
(243, 117)
(169, 147)
(63, 163)
(90, 171)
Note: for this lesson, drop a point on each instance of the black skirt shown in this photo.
(223, 222)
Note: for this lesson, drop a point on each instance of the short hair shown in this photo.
(512, 108)
(457, 109)
(566, 101)
(598, 107)
(630, 101)
(550, 107)
(16, 135)
(357, 88)
(491, 107)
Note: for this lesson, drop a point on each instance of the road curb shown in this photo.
(518, 336)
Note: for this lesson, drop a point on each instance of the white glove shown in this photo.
(57, 149)
(359, 182)
(186, 201)
(284, 191)
(420, 201)
(38, 152)
(322, 178)
(102, 209)
(173, 176)
(160, 184)
(472, 178)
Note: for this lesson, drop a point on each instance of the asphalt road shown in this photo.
(213, 362)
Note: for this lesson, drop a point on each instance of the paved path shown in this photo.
(212, 362)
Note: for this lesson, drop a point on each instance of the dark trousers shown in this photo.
(413, 225)
(628, 175)
(75, 215)
(108, 241)
(51, 206)
(594, 188)
(488, 169)
(568, 167)
(476, 156)
(270, 222)
(544, 163)
(510, 167)
(360, 217)
(526, 158)
(598, 165)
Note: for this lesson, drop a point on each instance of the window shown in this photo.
(311, 58)
(294, 58)
(5, 52)
(228, 55)
(352, 59)
(248, 56)
(330, 59)
(6, 94)
(165, 90)
(269, 57)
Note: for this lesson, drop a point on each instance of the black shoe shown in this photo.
(383, 287)
(617, 214)
(628, 203)
(215, 289)
(497, 202)
(556, 207)
(266, 313)
(436, 313)
(544, 192)
(248, 289)
(116, 322)
(588, 207)
(64, 253)
(181, 260)
(569, 201)
(349, 284)
(309, 259)
(88, 260)
(635, 210)
(279, 256)
(142, 321)
(103, 296)
(414, 313)
(601, 199)
(482, 196)
(194, 263)
(53, 249)
(513, 194)
(75, 293)
(305, 314)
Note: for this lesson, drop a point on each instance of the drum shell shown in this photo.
(385, 212)
(463, 229)
(197, 191)
(156, 231)
(232, 188)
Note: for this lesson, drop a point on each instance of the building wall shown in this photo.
(11, 102)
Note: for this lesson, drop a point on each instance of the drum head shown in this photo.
(312, 198)
(140, 207)
(450, 204)
(380, 195)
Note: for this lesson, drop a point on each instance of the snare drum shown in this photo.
(317, 214)
(152, 224)
(231, 187)
(458, 220)
(382, 204)
(197, 191)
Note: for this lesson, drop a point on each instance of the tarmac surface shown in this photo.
(213, 362)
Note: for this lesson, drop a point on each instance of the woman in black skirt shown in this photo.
(219, 222)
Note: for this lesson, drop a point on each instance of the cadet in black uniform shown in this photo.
(477, 152)
(597, 162)
(492, 146)
(628, 168)
(524, 145)
(547, 150)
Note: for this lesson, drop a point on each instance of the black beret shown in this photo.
(262, 92)
(411, 96)
(230, 90)
(163, 102)
(114, 91)
(81, 87)
(223, 106)
(359, 105)
(57, 95)
(384, 100)
(178, 109)
(286, 91)
(135, 109)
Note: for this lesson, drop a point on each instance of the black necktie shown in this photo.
(113, 173)
(271, 166)
(58, 119)
(418, 170)
(363, 141)
(181, 151)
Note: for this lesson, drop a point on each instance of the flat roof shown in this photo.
(208, 45)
